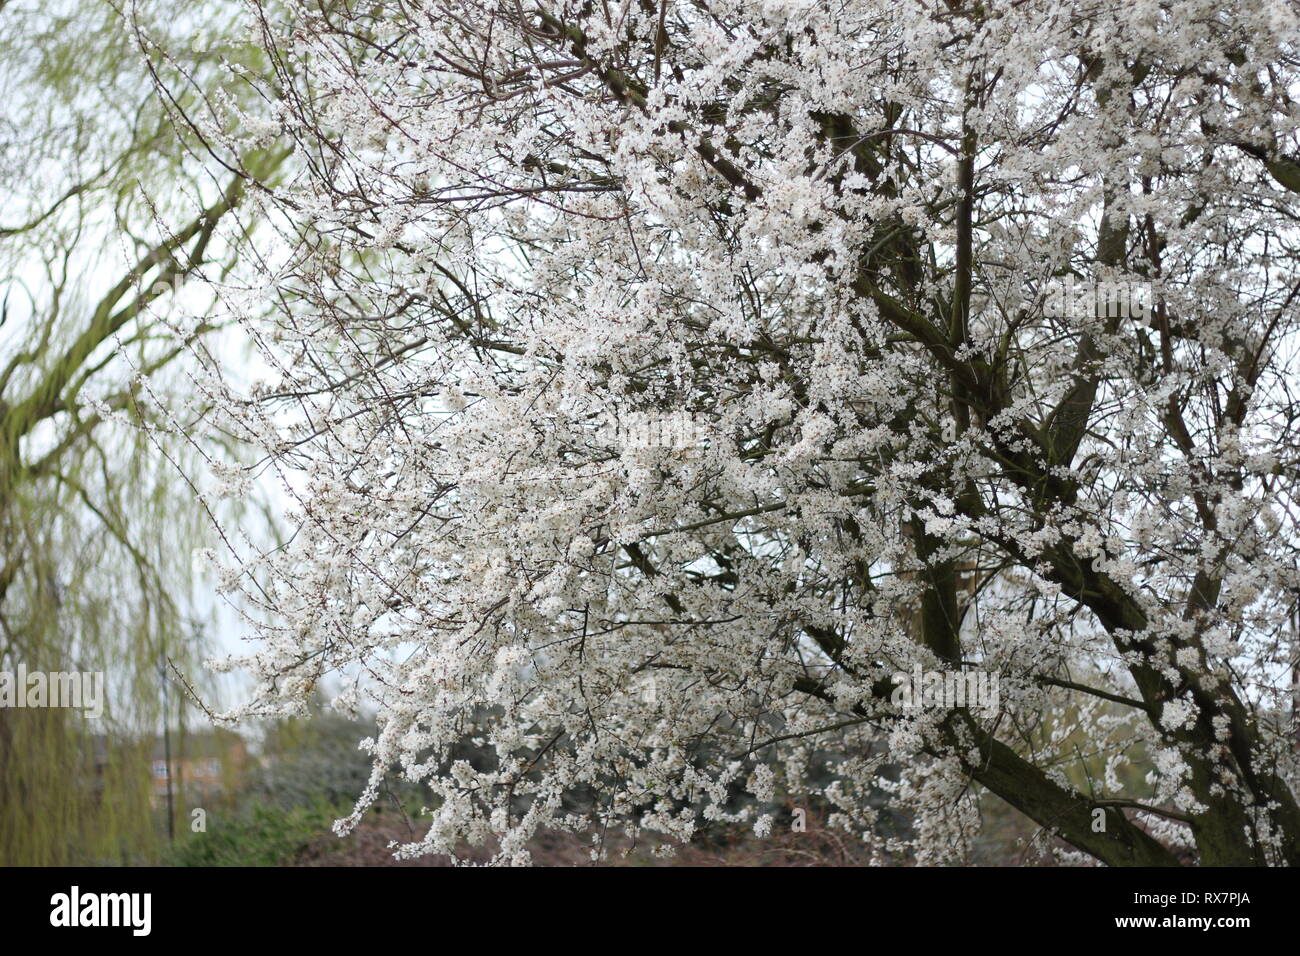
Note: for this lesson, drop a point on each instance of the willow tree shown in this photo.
(718, 366)
(110, 229)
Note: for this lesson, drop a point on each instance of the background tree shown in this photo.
(666, 378)
(110, 229)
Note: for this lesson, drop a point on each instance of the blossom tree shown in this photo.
(659, 385)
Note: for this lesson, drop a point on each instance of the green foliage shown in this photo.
(262, 834)
(68, 797)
